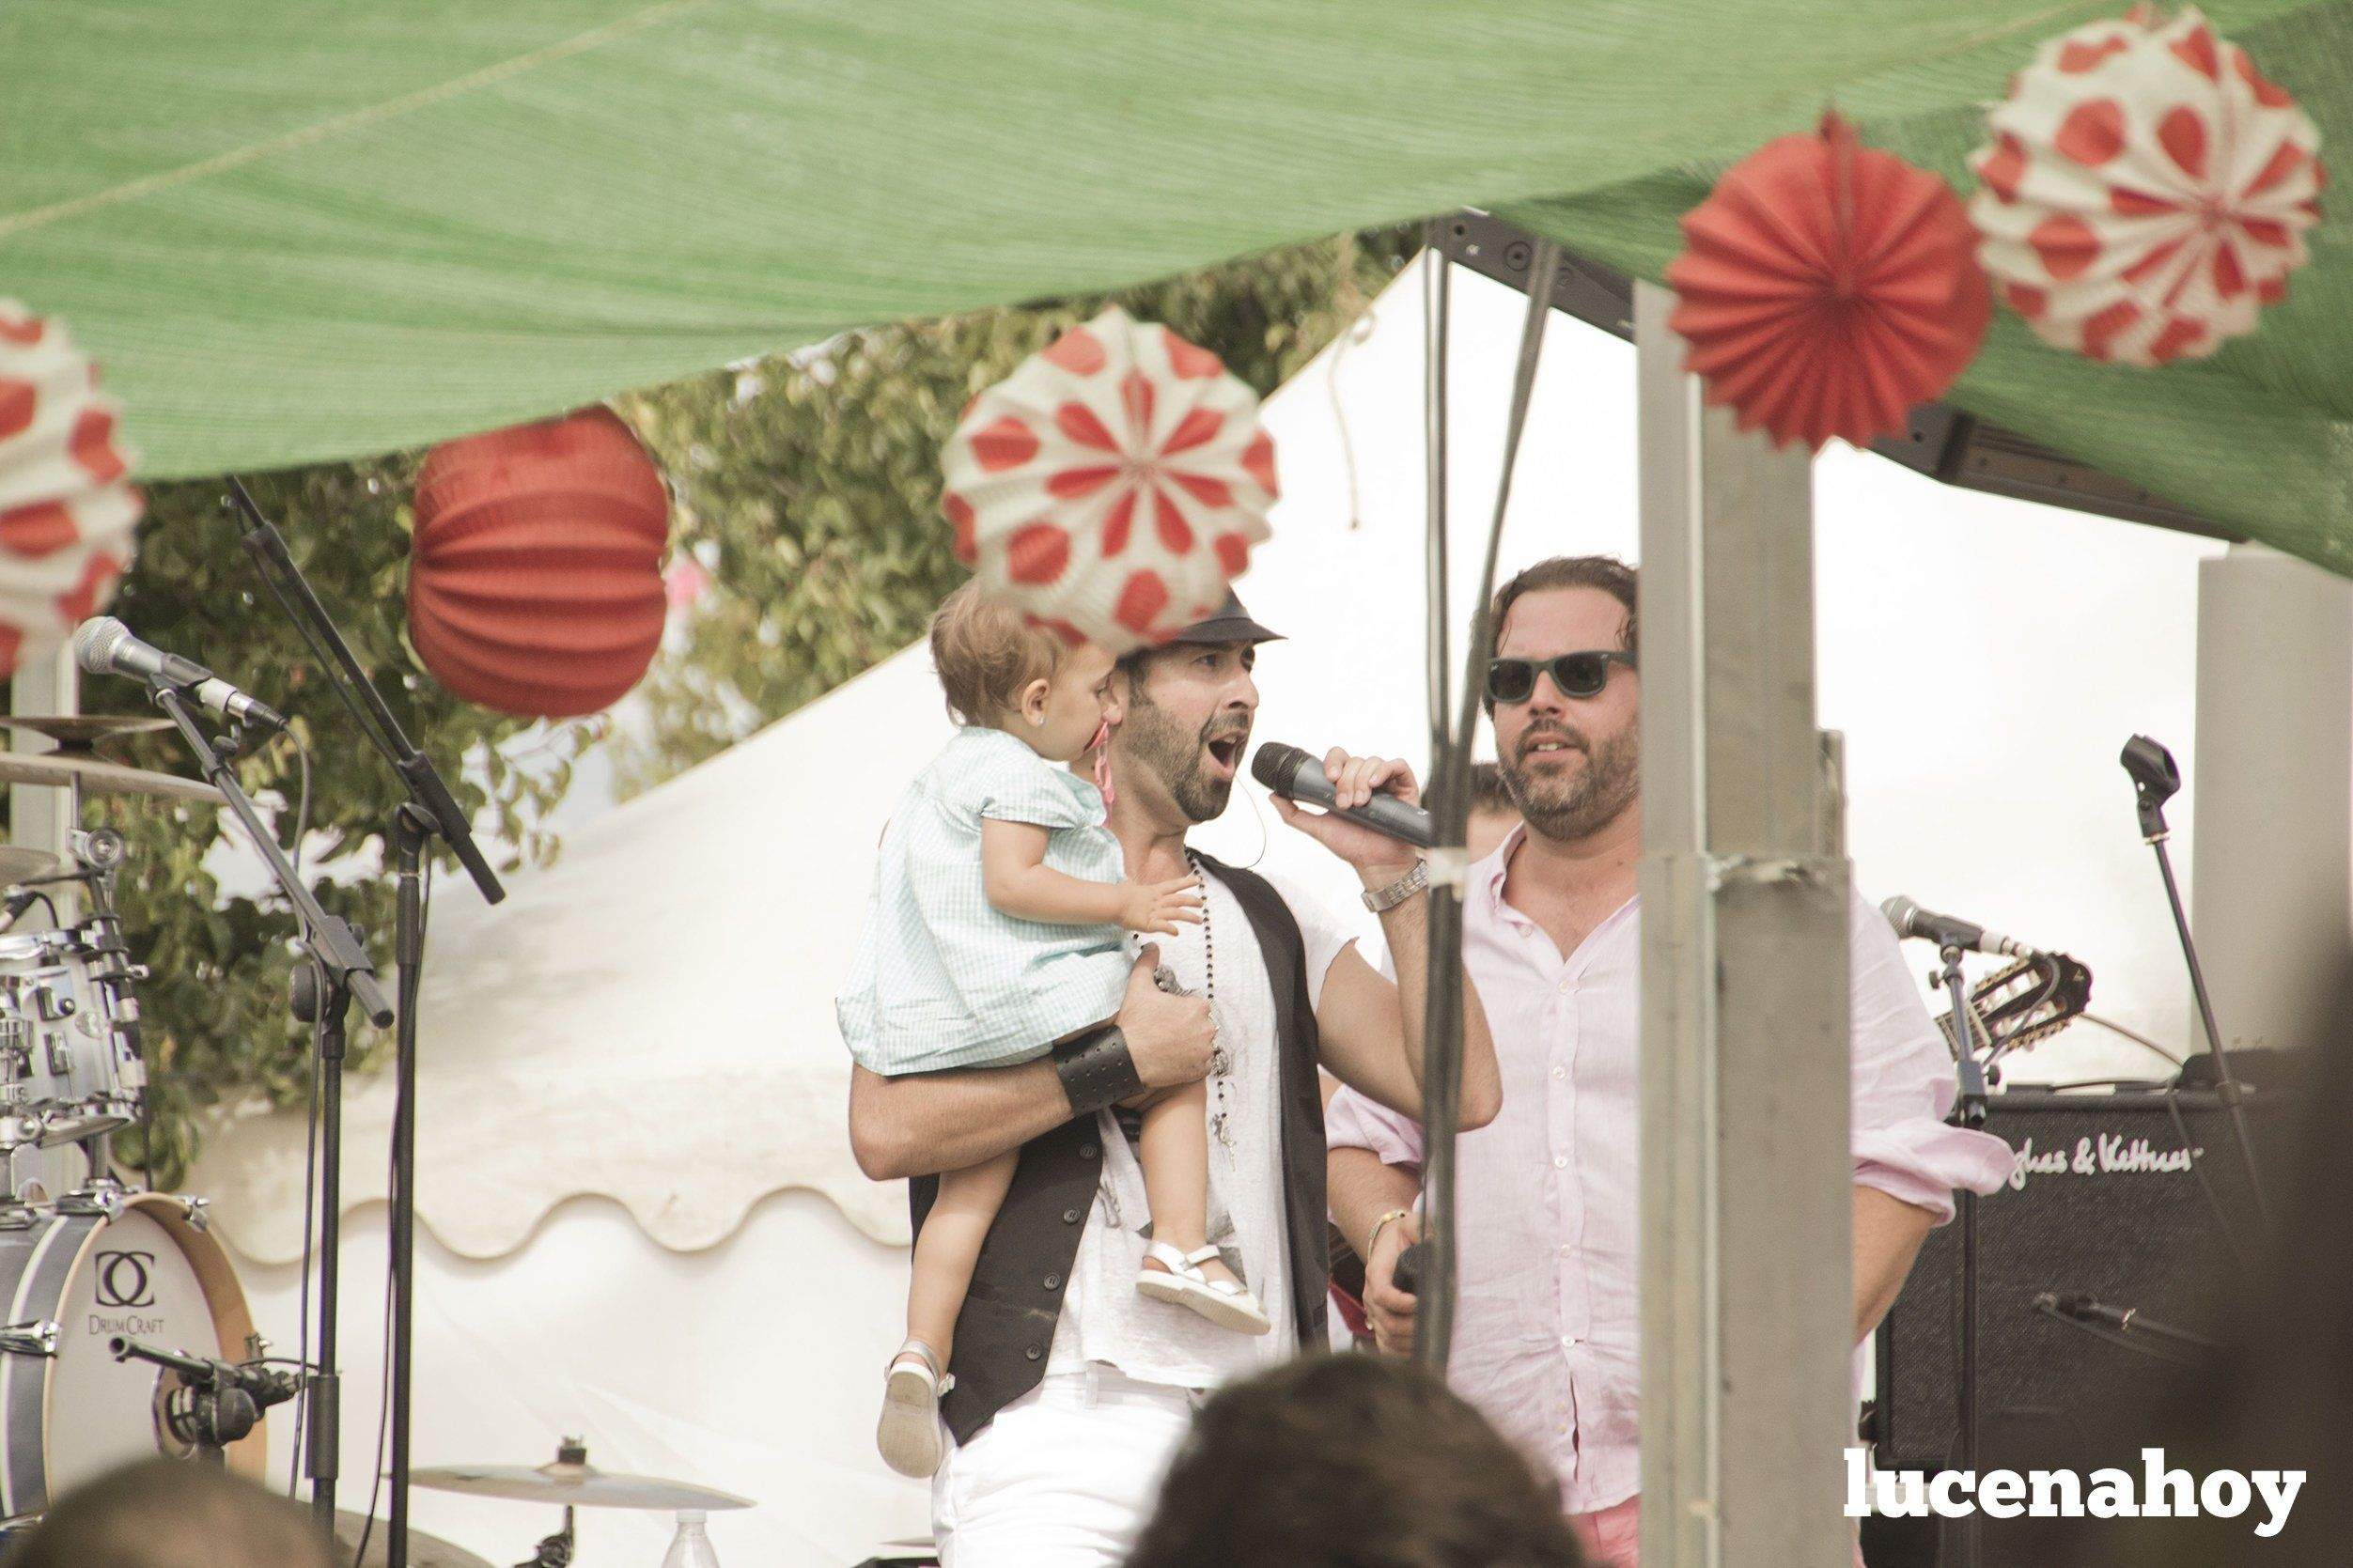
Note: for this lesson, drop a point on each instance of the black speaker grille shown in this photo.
(2106, 1207)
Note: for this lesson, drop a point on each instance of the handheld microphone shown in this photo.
(102, 646)
(1910, 919)
(1296, 776)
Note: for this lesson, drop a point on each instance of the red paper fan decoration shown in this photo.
(1826, 288)
(535, 585)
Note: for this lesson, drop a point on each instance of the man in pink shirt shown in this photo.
(1548, 1320)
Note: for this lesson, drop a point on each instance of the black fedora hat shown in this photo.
(1230, 625)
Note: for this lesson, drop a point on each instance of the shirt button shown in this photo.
(1563, 987)
(1069, 1217)
(1053, 1281)
(1568, 1341)
(1565, 1248)
(1560, 1162)
(1032, 1352)
(1560, 1072)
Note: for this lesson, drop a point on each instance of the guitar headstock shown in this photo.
(2027, 1001)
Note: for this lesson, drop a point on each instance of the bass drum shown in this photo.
(148, 1271)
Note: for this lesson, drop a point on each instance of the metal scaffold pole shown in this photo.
(1745, 1268)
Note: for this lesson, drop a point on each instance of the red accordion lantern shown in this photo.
(1827, 287)
(535, 586)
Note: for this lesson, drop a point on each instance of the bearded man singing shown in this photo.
(1072, 1390)
(1548, 1217)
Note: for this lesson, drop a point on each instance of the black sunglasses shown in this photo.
(1577, 675)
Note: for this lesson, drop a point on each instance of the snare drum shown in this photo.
(69, 1410)
(70, 1066)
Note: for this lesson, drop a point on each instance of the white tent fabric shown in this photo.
(649, 1021)
(646, 1029)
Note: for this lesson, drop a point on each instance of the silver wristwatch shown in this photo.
(1381, 900)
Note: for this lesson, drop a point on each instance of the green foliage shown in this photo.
(216, 1024)
(808, 484)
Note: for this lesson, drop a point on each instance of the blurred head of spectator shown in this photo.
(1352, 1461)
(171, 1513)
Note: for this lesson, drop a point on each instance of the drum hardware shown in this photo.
(100, 848)
(103, 1198)
(554, 1551)
(29, 1338)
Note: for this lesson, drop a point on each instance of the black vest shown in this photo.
(1006, 1329)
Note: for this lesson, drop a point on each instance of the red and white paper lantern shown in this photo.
(2146, 190)
(68, 510)
(1113, 485)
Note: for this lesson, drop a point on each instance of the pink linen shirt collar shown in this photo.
(1547, 1338)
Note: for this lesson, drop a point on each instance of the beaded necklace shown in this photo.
(1221, 1062)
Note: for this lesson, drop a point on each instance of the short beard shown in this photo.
(1579, 808)
(1149, 738)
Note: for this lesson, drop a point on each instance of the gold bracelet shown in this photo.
(1373, 1242)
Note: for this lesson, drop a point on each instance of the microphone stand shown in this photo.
(341, 961)
(1969, 1111)
(2155, 778)
(431, 811)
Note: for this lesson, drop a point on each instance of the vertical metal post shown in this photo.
(2271, 807)
(1747, 1302)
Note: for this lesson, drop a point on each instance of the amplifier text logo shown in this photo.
(2107, 1154)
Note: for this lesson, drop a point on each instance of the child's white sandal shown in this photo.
(1181, 1283)
(909, 1434)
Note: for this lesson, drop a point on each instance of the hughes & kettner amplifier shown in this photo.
(2118, 1200)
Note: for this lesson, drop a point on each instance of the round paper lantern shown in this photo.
(535, 585)
(2146, 191)
(1826, 288)
(66, 509)
(1113, 485)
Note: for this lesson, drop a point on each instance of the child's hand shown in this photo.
(1156, 908)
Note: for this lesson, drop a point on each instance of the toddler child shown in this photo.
(994, 932)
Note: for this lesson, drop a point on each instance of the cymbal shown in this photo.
(84, 729)
(424, 1551)
(102, 777)
(582, 1485)
(20, 865)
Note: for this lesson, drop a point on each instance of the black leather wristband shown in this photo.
(1096, 1070)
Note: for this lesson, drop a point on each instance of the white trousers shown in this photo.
(1066, 1477)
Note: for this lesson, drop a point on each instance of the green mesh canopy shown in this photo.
(295, 230)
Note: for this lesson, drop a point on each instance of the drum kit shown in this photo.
(125, 1332)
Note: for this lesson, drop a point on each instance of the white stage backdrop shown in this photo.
(642, 1223)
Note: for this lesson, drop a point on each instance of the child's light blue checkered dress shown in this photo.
(943, 978)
